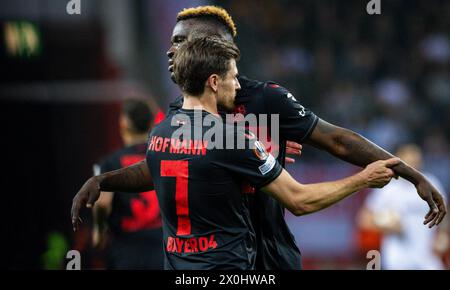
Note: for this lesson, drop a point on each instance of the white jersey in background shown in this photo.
(413, 248)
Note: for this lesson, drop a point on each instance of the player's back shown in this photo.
(134, 221)
(126, 218)
(205, 221)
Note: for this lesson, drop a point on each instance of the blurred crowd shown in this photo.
(385, 76)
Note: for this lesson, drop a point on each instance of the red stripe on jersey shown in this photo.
(179, 169)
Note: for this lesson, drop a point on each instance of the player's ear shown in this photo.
(213, 82)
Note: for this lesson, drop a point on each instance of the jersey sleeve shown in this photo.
(253, 164)
(296, 122)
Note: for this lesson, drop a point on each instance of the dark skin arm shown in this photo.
(353, 148)
(134, 178)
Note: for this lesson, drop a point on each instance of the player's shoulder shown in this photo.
(241, 136)
(256, 86)
(175, 105)
(250, 84)
(110, 161)
(163, 125)
(228, 134)
(274, 91)
(230, 129)
(235, 142)
(127, 150)
(250, 89)
(267, 89)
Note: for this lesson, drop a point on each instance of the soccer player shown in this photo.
(205, 221)
(277, 248)
(129, 224)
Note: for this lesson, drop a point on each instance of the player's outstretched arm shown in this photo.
(352, 147)
(303, 199)
(134, 178)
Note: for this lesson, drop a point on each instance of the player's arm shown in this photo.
(134, 178)
(353, 148)
(303, 199)
(299, 124)
(100, 213)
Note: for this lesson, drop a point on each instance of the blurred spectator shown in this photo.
(437, 156)
(385, 77)
(436, 48)
(392, 92)
(397, 212)
(386, 132)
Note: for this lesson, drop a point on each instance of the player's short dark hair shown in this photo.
(209, 12)
(138, 112)
(197, 59)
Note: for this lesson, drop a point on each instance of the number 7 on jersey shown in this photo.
(179, 170)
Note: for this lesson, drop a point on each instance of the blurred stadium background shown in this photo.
(63, 76)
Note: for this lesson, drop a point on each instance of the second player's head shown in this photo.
(200, 22)
(207, 65)
(135, 119)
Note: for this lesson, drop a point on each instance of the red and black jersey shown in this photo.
(206, 223)
(132, 214)
(277, 248)
(134, 221)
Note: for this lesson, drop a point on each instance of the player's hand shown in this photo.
(434, 200)
(86, 196)
(294, 149)
(379, 173)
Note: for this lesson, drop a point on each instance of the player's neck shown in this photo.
(206, 102)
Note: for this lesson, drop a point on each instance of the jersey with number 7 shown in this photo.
(206, 223)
